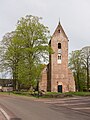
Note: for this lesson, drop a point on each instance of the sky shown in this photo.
(74, 16)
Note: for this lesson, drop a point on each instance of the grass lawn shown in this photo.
(80, 93)
(70, 93)
(48, 94)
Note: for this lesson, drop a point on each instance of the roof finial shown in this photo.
(59, 21)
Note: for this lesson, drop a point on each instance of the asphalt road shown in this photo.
(51, 109)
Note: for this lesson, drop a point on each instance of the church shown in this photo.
(56, 76)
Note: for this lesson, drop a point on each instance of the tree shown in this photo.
(11, 50)
(86, 62)
(76, 65)
(25, 49)
(35, 45)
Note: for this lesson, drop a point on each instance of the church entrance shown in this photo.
(60, 88)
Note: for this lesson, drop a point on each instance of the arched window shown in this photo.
(59, 57)
(59, 53)
(59, 45)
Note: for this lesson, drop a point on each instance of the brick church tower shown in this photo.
(57, 77)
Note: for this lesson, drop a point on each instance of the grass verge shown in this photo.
(47, 95)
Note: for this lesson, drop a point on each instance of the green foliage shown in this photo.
(79, 93)
(25, 49)
(78, 64)
(86, 62)
(75, 64)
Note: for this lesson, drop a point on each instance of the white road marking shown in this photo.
(5, 114)
(70, 104)
(86, 108)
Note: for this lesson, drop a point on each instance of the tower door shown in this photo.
(60, 88)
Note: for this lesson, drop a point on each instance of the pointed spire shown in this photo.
(59, 29)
